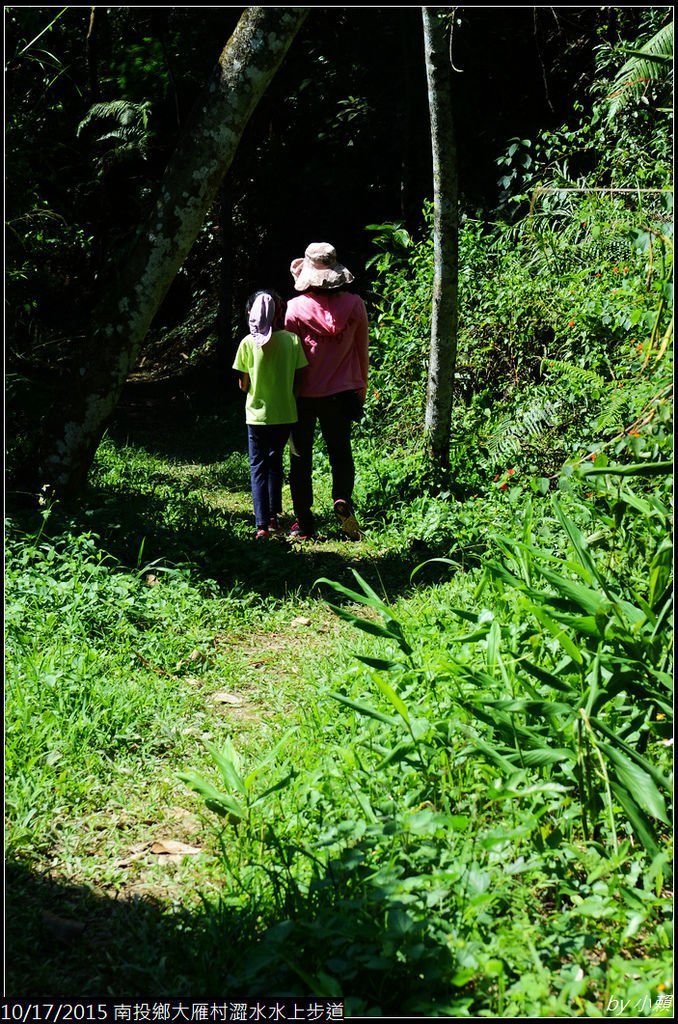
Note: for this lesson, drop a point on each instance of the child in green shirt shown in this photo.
(267, 360)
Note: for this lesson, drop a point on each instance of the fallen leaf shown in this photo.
(173, 848)
(227, 698)
(162, 849)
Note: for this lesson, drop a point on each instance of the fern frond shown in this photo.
(613, 408)
(649, 64)
(512, 434)
(576, 374)
(125, 113)
(536, 419)
(500, 445)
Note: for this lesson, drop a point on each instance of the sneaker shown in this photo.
(274, 525)
(261, 535)
(347, 520)
(298, 532)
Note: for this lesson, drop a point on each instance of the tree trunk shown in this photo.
(91, 50)
(190, 184)
(444, 318)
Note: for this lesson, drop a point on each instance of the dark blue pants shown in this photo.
(335, 425)
(266, 446)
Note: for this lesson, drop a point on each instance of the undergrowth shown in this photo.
(429, 773)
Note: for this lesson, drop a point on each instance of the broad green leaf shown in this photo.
(443, 561)
(592, 601)
(492, 754)
(660, 572)
(275, 788)
(468, 616)
(401, 752)
(511, 731)
(637, 781)
(556, 631)
(369, 599)
(227, 767)
(635, 923)
(548, 678)
(394, 698)
(478, 677)
(368, 627)
(510, 790)
(378, 663)
(493, 641)
(664, 678)
(578, 542)
(427, 821)
(321, 984)
(469, 638)
(542, 708)
(593, 680)
(372, 600)
(541, 757)
(641, 825)
(365, 804)
(218, 802)
(503, 574)
(587, 624)
(647, 508)
(370, 593)
(268, 758)
(633, 469)
(365, 709)
(641, 761)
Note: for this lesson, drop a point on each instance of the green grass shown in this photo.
(365, 830)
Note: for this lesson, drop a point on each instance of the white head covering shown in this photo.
(261, 318)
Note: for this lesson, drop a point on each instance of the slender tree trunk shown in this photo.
(444, 319)
(91, 48)
(190, 185)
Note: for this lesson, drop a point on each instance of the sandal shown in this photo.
(347, 520)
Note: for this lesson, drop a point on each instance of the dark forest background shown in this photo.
(340, 141)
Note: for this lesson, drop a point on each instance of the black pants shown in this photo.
(334, 416)
(266, 446)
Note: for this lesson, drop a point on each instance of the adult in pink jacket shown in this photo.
(332, 325)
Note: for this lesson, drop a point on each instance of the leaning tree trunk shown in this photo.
(190, 184)
(443, 351)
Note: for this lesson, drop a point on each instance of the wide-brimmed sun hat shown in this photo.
(319, 268)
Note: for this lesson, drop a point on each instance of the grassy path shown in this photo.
(130, 842)
(410, 861)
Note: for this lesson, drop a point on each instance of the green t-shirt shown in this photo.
(270, 398)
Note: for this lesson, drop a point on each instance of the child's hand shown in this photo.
(245, 382)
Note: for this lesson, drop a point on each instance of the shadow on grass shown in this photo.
(222, 549)
(65, 940)
(162, 517)
(133, 527)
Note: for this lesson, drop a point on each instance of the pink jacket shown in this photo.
(333, 332)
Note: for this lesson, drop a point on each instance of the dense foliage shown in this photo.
(431, 773)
